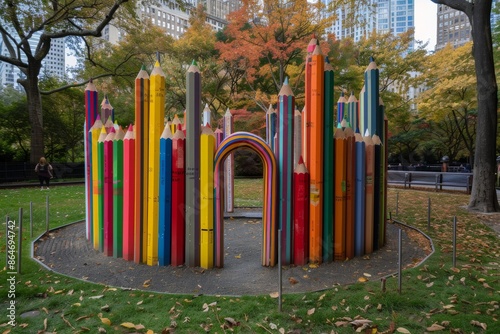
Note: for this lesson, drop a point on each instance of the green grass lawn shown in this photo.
(434, 295)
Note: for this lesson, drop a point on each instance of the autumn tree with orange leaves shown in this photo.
(265, 42)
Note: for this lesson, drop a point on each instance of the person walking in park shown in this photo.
(44, 172)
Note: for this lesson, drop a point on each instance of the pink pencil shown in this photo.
(128, 194)
(108, 193)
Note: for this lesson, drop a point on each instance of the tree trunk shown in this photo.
(34, 100)
(483, 195)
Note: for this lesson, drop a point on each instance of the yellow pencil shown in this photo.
(156, 116)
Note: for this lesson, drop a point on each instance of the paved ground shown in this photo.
(67, 251)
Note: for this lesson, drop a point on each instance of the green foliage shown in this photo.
(14, 126)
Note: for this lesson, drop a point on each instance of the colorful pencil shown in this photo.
(165, 198)
(359, 196)
(286, 107)
(315, 156)
(270, 126)
(350, 191)
(372, 96)
(128, 194)
(108, 193)
(369, 192)
(340, 194)
(118, 192)
(178, 198)
(106, 109)
(353, 111)
(297, 137)
(207, 150)
(300, 214)
(193, 125)
(377, 201)
(156, 125)
(328, 163)
(341, 106)
(95, 133)
(176, 124)
(206, 115)
(306, 112)
(91, 104)
(228, 165)
(219, 137)
(141, 130)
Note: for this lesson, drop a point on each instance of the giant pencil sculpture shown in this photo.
(377, 203)
(100, 186)
(193, 124)
(340, 194)
(176, 124)
(178, 198)
(300, 214)
(118, 192)
(106, 110)
(286, 107)
(141, 162)
(350, 192)
(328, 163)
(372, 97)
(128, 194)
(341, 106)
(306, 112)
(108, 193)
(207, 150)
(359, 196)
(270, 126)
(383, 162)
(229, 165)
(297, 137)
(352, 112)
(90, 117)
(206, 115)
(165, 198)
(156, 125)
(315, 156)
(369, 192)
(95, 133)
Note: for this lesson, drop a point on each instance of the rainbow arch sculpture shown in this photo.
(259, 146)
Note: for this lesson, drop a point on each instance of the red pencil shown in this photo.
(300, 214)
(178, 197)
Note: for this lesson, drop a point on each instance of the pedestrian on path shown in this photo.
(44, 172)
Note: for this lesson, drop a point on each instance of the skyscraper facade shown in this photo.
(382, 16)
(53, 65)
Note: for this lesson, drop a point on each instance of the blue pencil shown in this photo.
(165, 198)
(359, 197)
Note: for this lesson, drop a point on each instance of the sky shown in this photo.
(425, 22)
(425, 25)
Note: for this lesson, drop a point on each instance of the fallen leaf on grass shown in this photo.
(435, 328)
(402, 330)
(362, 279)
(127, 325)
(479, 324)
(311, 311)
(106, 321)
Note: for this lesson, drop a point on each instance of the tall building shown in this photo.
(174, 19)
(453, 26)
(53, 65)
(383, 16)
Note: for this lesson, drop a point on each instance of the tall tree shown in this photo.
(23, 19)
(483, 194)
(266, 40)
(450, 100)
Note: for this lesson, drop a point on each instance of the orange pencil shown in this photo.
(340, 195)
(315, 156)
